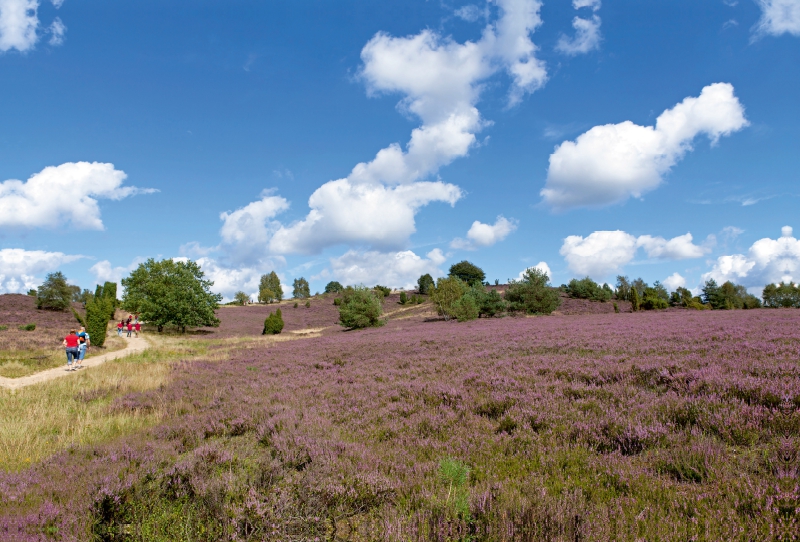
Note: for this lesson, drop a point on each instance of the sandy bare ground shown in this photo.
(134, 345)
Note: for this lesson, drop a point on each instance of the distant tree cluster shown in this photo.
(783, 295)
(586, 288)
(728, 296)
(456, 299)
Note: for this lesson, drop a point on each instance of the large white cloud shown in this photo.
(19, 25)
(371, 214)
(104, 271)
(246, 232)
(610, 163)
(21, 270)
(485, 235)
(767, 261)
(393, 269)
(778, 17)
(604, 252)
(674, 281)
(61, 195)
(440, 81)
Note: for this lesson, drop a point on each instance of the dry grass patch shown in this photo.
(42, 419)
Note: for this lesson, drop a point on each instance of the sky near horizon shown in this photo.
(375, 142)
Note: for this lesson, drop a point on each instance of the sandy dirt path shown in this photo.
(134, 345)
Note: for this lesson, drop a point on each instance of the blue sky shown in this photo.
(590, 137)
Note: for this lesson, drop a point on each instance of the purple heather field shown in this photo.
(674, 425)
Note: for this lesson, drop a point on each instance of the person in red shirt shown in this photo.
(137, 327)
(71, 345)
(130, 328)
(119, 328)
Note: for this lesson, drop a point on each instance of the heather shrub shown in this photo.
(360, 308)
(586, 288)
(532, 294)
(28, 327)
(273, 324)
(424, 284)
(403, 298)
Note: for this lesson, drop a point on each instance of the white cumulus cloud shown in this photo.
(246, 232)
(57, 30)
(593, 4)
(587, 37)
(393, 269)
(440, 81)
(21, 270)
(605, 252)
(674, 281)
(61, 195)
(104, 271)
(485, 235)
(778, 17)
(610, 163)
(767, 261)
(18, 24)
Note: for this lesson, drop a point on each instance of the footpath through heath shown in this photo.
(134, 345)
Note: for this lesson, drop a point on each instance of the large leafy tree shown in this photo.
(333, 287)
(468, 272)
(446, 295)
(170, 292)
(269, 289)
(425, 283)
(54, 294)
(300, 289)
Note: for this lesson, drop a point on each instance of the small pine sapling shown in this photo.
(403, 298)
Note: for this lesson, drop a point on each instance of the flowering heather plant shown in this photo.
(674, 425)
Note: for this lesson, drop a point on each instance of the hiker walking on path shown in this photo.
(119, 328)
(130, 327)
(137, 327)
(71, 345)
(83, 343)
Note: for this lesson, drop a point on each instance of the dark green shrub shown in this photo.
(32, 292)
(3, 328)
(295, 304)
(586, 288)
(532, 294)
(337, 301)
(424, 284)
(384, 290)
(273, 325)
(403, 298)
(616, 307)
(781, 295)
(652, 300)
(465, 308)
(333, 287)
(308, 304)
(467, 272)
(634, 294)
(420, 300)
(78, 317)
(28, 327)
(360, 308)
(97, 317)
(54, 294)
(490, 303)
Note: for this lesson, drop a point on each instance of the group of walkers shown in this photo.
(132, 324)
(76, 343)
